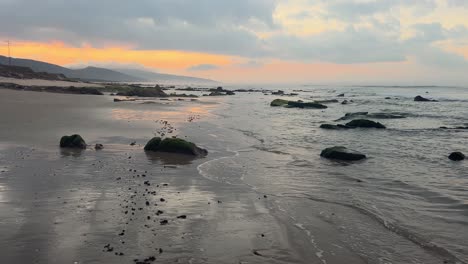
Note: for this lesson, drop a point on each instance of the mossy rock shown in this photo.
(175, 145)
(279, 102)
(364, 123)
(144, 92)
(153, 144)
(73, 141)
(342, 153)
(299, 104)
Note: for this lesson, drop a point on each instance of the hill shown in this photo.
(161, 77)
(102, 74)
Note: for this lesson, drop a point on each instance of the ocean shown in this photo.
(407, 185)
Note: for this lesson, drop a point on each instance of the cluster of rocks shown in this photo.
(156, 144)
(144, 92)
(52, 89)
(282, 93)
(297, 104)
(220, 91)
(356, 123)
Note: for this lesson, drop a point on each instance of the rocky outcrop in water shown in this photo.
(279, 102)
(349, 116)
(327, 101)
(364, 123)
(361, 123)
(144, 92)
(456, 156)
(220, 91)
(73, 141)
(342, 153)
(300, 104)
(297, 104)
(458, 127)
(174, 145)
(334, 127)
(422, 99)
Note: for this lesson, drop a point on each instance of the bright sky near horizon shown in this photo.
(249, 41)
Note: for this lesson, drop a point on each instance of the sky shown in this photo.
(412, 42)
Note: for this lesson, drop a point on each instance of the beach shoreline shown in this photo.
(67, 206)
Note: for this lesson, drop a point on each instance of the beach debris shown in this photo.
(98, 146)
(147, 260)
(108, 248)
(174, 145)
(342, 153)
(163, 222)
(456, 156)
(182, 217)
(73, 141)
(341, 95)
(255, 252)
(133, 143)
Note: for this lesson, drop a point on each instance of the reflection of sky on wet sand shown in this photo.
(177, 115)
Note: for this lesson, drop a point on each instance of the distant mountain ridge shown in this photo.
(102, 74)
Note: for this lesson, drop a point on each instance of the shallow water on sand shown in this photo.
(407, 185)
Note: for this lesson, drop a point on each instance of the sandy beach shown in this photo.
(110, 206)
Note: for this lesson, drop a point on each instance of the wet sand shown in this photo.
(61, 206)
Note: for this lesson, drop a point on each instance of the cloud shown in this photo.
(353, 10)
(348, 46)
(368, 31)
(203, 25)
(203, 67)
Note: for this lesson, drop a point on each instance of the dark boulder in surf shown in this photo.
(456, 156)
(279, 102)
(422, 99)
(279, 92)
(364, 123)
(299, 104)
(326, 101)
(342, 153)
(334, 127)
(73, 141)
(174, 145)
